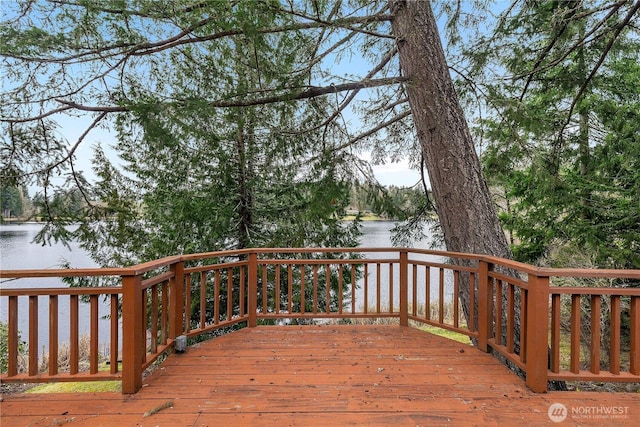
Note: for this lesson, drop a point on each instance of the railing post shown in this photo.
(485, 300)
(537, 330)
(133, 340)
(404, 291)
(13, 338)
(252, 293)
(176, 303)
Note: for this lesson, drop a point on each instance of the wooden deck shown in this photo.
(324, 375)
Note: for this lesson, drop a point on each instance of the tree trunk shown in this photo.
(463, 202)
(464, 205)
(245, 205)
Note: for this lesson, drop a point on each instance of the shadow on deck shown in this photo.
(326, 375)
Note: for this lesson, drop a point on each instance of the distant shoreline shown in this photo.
(365, 217)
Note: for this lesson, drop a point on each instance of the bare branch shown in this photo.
(328, 23)
(385, 60)
(372, 131)
(69, 156)
(39, 117)
(149, 48)
(73, 149)
(310, 92)
(80, 107)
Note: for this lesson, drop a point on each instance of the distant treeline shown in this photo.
(391, 202)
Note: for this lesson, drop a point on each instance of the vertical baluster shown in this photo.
(594, 362)
(74, 335)
(203, 299)
(277, 300)
(315, 288)
(229, 294)
(456, 286)
(555, 333)
(427, 293)
(242, 291)
(524, 322)
(353, 288)
(303, 285)
(499, 313)
(187, 304)
(153, 345)
(93, 336)
(485, 296)
(216, 297)
(404, 288)
(290, 288)
(53, 334)
(391, 287)
(414, 311)
(265, 291)
(575, 334)
(113, 350)
(614, 345)
(252, 290)
(377, 288)
(12, 363)
(510, 317)
(366, 288)
(634, 348)
(33, 335)
(441, 296)
(328, 287)
(164, 313)
(340, 288)
(472, 302)
(144, 319)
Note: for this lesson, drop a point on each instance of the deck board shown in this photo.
(322, 375)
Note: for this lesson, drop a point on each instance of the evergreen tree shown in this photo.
(554, 138)
(11, 200)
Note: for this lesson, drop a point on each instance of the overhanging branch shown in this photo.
(372, 131)
(310, 92)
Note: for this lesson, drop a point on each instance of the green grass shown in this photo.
(445, 333)
(81, 386)
(78, 387)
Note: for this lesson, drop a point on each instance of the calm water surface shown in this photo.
(17, 252)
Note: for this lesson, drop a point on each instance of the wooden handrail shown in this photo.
(271, 284)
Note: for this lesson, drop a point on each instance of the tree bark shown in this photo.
(463, 202)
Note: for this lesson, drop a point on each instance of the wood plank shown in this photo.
(320, 375)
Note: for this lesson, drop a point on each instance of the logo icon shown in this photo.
(557, 412)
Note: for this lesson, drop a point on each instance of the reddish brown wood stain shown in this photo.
(322, 375)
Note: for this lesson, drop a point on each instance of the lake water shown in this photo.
(17, 251)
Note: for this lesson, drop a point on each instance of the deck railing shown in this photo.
(191, 295)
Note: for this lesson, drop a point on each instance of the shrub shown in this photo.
(4, 346)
